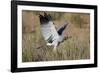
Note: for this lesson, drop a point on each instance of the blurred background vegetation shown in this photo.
(77, 45)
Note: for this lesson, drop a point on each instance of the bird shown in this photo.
(52, 36)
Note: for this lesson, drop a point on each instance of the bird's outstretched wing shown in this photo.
(62, 28)
(48, 29)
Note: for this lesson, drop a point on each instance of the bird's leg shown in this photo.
(55, 46)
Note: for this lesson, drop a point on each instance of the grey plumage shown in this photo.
(50, 34)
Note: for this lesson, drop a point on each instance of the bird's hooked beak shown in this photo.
(45, 14)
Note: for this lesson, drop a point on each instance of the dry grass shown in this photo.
(75, 47)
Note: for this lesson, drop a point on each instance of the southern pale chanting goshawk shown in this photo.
(50, 34)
